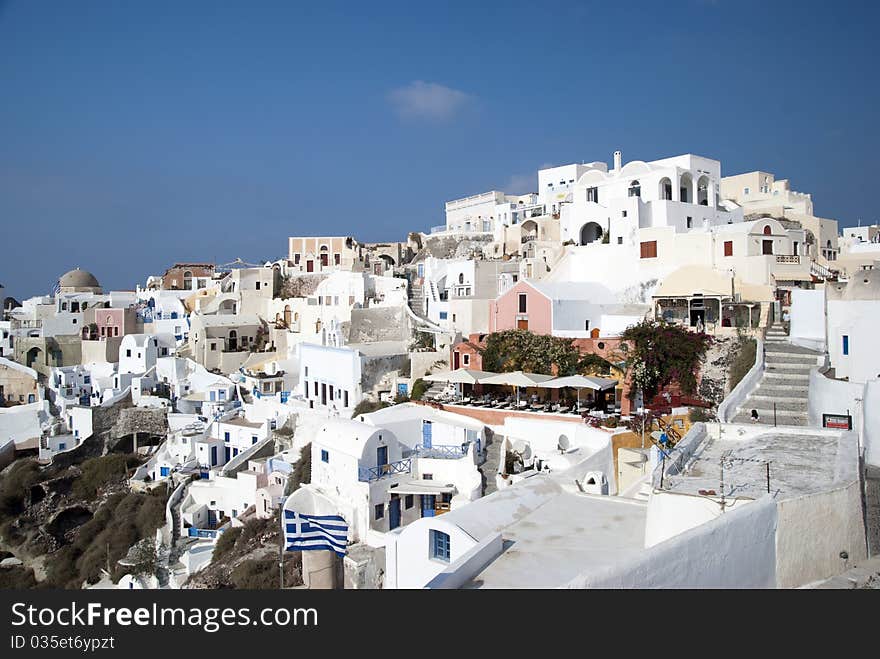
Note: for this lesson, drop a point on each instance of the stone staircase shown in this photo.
(416, 298)
(785, 383)
(489, 468)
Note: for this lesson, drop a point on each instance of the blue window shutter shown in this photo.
(845, 344)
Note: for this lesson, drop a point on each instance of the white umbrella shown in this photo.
(517, 379)
(579, 382)
(459, 376)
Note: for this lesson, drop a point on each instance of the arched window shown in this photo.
(635, 189)
(686, 188)
(767, 230)
(703, 191)
(665, 189)
(233, 340)
(461, 274)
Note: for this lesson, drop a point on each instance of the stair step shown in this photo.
(744, 418)
(793, 391)
(765, 406)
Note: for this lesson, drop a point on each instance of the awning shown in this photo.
(580, 382)
(420, 488)
(517, 379)
(459, 376)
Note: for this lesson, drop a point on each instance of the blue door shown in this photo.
(163, 471)
(227, 454)
(382, 456)
(394, 514)
(213, 455)
(428, 504)
(426, 434)
(401, 389)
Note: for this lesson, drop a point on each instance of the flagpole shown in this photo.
(281, 551)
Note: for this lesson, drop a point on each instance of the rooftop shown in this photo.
(551, 544)
(802, 461)
(243, 423)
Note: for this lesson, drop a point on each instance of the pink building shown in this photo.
(522, 307)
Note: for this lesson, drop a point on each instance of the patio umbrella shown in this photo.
(459, 376)
(579, 382)
(517, 379)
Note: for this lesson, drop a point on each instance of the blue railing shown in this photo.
(193, 532)
(441, 451)
(368, 474)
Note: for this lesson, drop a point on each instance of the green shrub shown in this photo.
(419, 388)
(698, 415)
(302, 470)
(14, 486)
(226, 543)
(366, 406)
(97, 473)
(262, 574)
(745, 349)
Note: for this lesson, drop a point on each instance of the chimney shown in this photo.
(617, 159)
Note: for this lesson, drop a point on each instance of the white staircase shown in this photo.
(784, 385)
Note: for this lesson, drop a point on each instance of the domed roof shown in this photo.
(78, 279)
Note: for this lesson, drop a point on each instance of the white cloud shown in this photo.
(427, 100)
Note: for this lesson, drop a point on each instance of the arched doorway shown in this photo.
(686, 187)
(665, 189)
(187, 280)
(287, 315)
(635, 189)
(590, 233)
(703, 191)
(529, 231)
(32, 356)
(233, 340)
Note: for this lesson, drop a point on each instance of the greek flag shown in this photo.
(305, 532)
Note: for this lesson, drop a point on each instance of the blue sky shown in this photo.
(136, 134)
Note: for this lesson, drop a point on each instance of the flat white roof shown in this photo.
(554, 543)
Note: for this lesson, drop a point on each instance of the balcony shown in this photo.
(441, 452)
(370, 474)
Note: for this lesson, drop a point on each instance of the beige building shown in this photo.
(759, 192)
(224, 341)
(18, 384)
(323, 254)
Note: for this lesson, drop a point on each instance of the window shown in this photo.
(128, 353)
(460, 277)
(593, 194)
(258, 285)
(767, 230)
(213, 346)
(253, 439)
(522, 302)
(466, 359)
(428, 477)
(336, 259)
(225, 436)
(443, 315)
(648, 249)
(296, 259)
(845, 344)
(767, 247)
(728, 248)
(622, 213)
(453, 318)
(620, 240)
(325, 456)
(408, 501)
(745, 191)
(439, 545)
(586, 325)
(380, 510)
(635, 189)
(690, 222)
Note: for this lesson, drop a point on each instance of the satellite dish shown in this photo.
(564, 443)
(527, 453)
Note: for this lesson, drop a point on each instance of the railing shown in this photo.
(368, 474)
(441, 452)
(193, 532)
(528, 239)
(783, 258)
(438, 229)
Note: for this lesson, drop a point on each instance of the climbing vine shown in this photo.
(658, 353)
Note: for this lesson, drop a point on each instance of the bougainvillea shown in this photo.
(658, 353)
